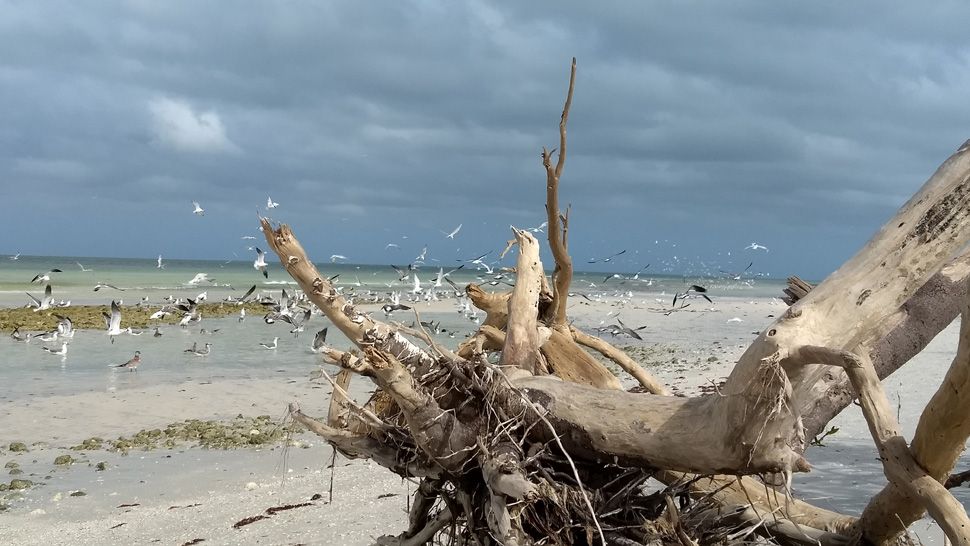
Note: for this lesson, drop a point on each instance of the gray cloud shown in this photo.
(708, 126)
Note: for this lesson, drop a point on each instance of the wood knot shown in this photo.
(292, 260)
(318, 285)
(863, 296)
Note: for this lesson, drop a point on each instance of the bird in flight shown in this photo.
(45, 277)
(270, 204)
(43, 304)
(606, 259)
(453, 232)
(335, 257)
(276, 343)
(84, 269)
(198, 210)
(319, 341)
(260, 263)
(113, 321)
(133, 363)
(101, 285)
(159, 264)
(756, 246)
(15, 256)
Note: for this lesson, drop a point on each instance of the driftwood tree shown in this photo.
(519, 435)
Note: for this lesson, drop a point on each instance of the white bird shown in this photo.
(270, 204)
(101, 285)
(15, 256)
(197, 209)
(65, 327)
(260, 263)
(756, 246)
(453, 232)
(204, 351)
(160, 265)
(420, 258)
(83, 269)
(242, 314)
(44, 304)
(335, 257)
(200, 277)
(45, 277)
(60, 352)
(417, 285)
(275, 344)
(114, 321)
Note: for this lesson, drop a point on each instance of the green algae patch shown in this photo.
(20, 484)
(64, 460)
(101, 467)
(17, 447)
(90, 444)
(12, 464)
(90, 316)
(239, 432)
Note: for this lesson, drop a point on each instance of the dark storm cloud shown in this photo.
(708, 126)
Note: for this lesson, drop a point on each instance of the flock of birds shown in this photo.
(296, 310)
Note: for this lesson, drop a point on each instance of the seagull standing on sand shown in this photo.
(197, 209)
(260, 263)
(132, 364)
(204, 351)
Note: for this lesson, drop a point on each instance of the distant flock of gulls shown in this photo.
(296, 309)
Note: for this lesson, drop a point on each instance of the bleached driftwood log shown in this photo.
(510, 449)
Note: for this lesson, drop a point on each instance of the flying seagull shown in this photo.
(319, 340)
(335, 257)
(260, 263)
(44, 304)
(83, 269)
(453, 232)
(45, 277)
(15, 256)
(160, 265)
(694, 290)
(270, 204)
(198, 210)
(276, 343)
(132, 364)
(101, 285)
(756, 246)
(113, 321)
(606, 259)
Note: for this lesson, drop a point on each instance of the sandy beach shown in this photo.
(186, 493)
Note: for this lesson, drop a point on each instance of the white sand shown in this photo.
(697, 348)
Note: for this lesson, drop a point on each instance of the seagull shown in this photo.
(200, 277)
(699, 290)
(15, 256)
(60, 352)
(420, 258)
(539, 228)
(453, 232)
(478, 261)
(45, 277)
(242, 314)
(101, 285)
(606, 259)
(198, 210)
(389, 308)
(335, 257)
(401, 275)
(260, 263)
(44, 304)
(201, 352)
(157, 333)
(160, 264)
(270, 204)
(113, 321)
(275, 344)
(83, 269)
(756, 246)
(65, 328)
(319, 340)
(132, 364)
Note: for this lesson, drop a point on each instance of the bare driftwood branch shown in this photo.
(522, 336)
(563, 273)
(899, 465)
(623, 360)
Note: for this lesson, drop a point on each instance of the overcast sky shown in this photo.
(696, 128)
